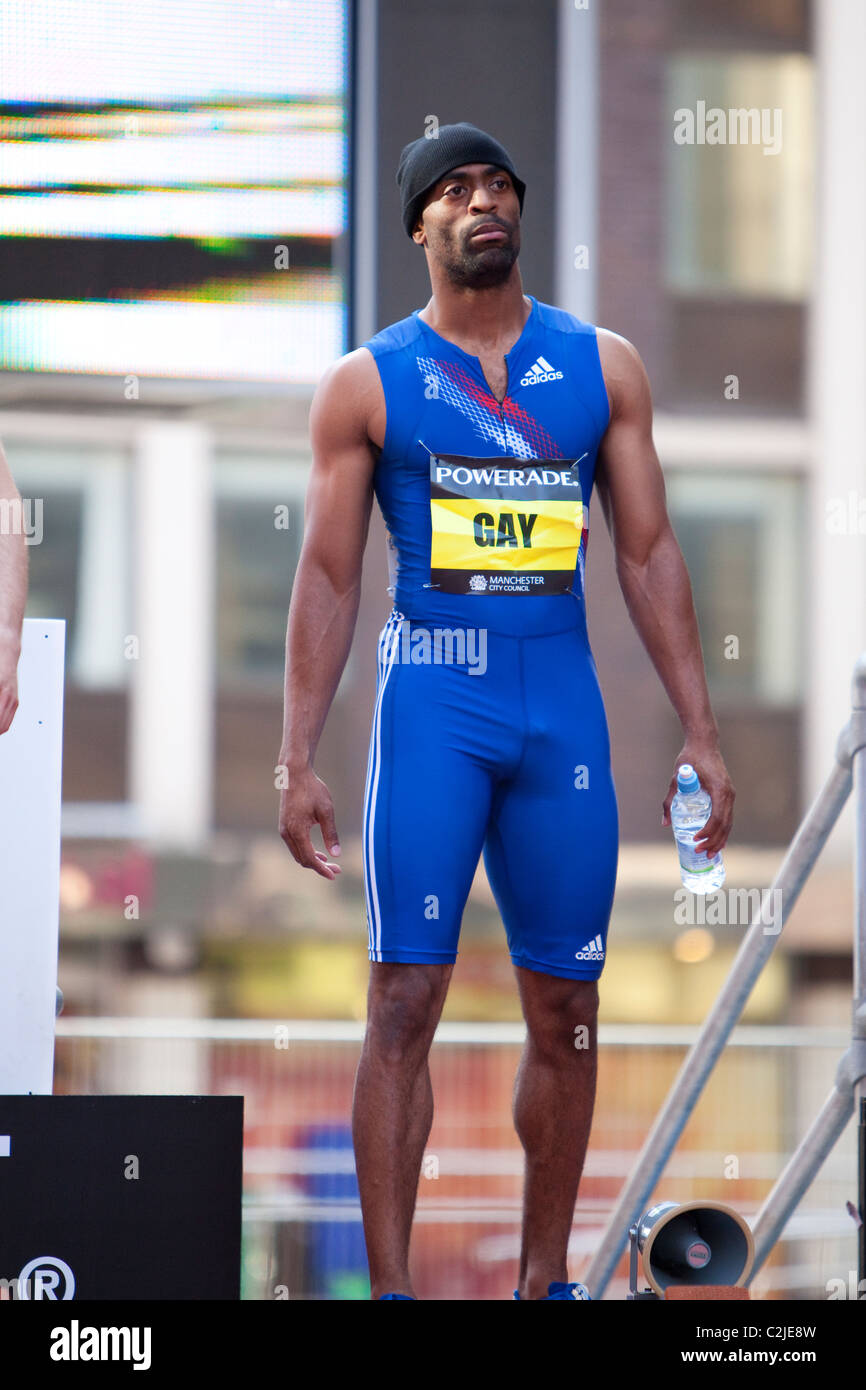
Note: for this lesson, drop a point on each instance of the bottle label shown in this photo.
(694, 861)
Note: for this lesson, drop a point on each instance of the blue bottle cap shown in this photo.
(687, 778)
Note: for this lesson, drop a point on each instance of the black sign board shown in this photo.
(120, 1197)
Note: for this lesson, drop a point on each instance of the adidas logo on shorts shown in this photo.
(593, 950)
(540, 370)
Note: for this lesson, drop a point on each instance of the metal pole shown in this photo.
(861, 1230)
(804, 1164)
(800, 1170)
(751, 957)
(858, 720)
(857, 746)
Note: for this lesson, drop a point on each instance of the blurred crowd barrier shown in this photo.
(303, 1237)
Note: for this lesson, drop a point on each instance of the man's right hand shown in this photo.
(304, 803)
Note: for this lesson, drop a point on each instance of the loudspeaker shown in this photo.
(694, 1243)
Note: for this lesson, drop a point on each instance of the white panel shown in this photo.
(836, 618)
(30, 782)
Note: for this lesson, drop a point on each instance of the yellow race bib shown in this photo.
(504, 525)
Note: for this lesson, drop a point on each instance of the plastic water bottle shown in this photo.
(690, 811)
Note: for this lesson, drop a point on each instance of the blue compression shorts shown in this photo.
(506, 752)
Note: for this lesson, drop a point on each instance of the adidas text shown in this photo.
(593, 950)
(541, 370)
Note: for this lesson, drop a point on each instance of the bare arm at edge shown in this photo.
(653, 576)
(325, 594)
(14, 566)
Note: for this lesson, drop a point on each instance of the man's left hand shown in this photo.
(709, 765)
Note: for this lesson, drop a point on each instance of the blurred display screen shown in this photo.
(173, 187)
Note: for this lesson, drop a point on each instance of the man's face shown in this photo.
(468, 198)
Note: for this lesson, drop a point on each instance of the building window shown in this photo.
(740, 189)
(742, 538)
(259, 504)
(77, 508)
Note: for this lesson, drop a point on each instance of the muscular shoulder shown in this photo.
(348, 400)
(351, 380)
(624, 374)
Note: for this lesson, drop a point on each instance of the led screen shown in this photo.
(173, 188)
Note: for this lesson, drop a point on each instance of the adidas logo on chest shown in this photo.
(540, 370)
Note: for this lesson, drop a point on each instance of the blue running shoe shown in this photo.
(407, 1298)
(558, 1290)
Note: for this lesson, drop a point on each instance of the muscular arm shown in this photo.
(325, 594)
(13, 598)
(653, 576)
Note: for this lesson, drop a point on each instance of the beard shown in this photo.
(481, 266)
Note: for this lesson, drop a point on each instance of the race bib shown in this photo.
(504, 525)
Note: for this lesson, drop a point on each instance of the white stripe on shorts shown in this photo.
(389, 643)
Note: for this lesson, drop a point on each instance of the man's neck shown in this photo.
(483, 317)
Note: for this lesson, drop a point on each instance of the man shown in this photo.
(482, 423)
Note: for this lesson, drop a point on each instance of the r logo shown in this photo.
(46, 1271)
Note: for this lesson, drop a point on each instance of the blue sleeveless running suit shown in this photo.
(489, 733)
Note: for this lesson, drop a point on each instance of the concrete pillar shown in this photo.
(172, 681)
(577, 150)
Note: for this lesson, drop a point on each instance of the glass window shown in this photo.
(740, 175)
(259, 505)
(742, 537)
(75, 501)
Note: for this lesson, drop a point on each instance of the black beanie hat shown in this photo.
(424, 161)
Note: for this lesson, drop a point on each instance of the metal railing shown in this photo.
(300, 1198)
(757, 946)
